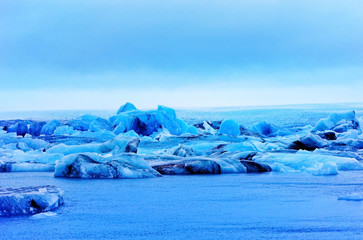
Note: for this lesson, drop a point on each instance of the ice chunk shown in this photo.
(119, 166)
(352, 197)
(189, 167)
(131, 133)
(23, 127)
(123, 143)
(208, 128)
(29, 200)
(119, 129)
(328, 168)
(26, 167)
(99, 124)
(229, 127)
(309, 142)
(192, 130)
(306, 161)
(182, 151)
(64, 130)
(49, 128)
(197, 165)
(146, 123)
(126, 108)
(338, 122)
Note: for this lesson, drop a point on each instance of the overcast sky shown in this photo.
(99, 54)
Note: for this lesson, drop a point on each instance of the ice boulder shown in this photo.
(182, 151)
(99, 124)
(126, 108)
(146, 123)
(23, 127)
(29, 200)
(93, 166)
(328, 168)
(338, 122)
(309, 142)
(192, 130)
(49, 128)
(64, 130)
(90, 122)
(229, 127)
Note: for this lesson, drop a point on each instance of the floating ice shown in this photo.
(182, 151)
(173, 165)
(92, 166)
(126, 108)
(29, 200)
(306, 161)
(49, 128)
(309, 142)
(338, 122)
(328, 168)
(229, 127)
(123, 144)
(352, 197)
(64, 130)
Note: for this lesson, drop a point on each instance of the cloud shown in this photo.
(81, 47)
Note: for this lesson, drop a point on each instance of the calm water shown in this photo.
(230, 206)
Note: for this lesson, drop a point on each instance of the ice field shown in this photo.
(263, 172)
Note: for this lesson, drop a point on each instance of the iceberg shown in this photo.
(119, 143)
(189, 167)
(64, 130)
(306, 162)
(229, 127)
(93, 166)
(23, 127)
(126, 108)
(29, 200)
(49, 128)
(182, 151)
(26, 167)
(173, 165)
(309, 142)
(328, 168)
(338, 122)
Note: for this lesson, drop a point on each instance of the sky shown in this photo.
(188, 53)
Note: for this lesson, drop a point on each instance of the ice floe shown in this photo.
(29, 200)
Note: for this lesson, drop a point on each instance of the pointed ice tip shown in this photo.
(126, 108)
